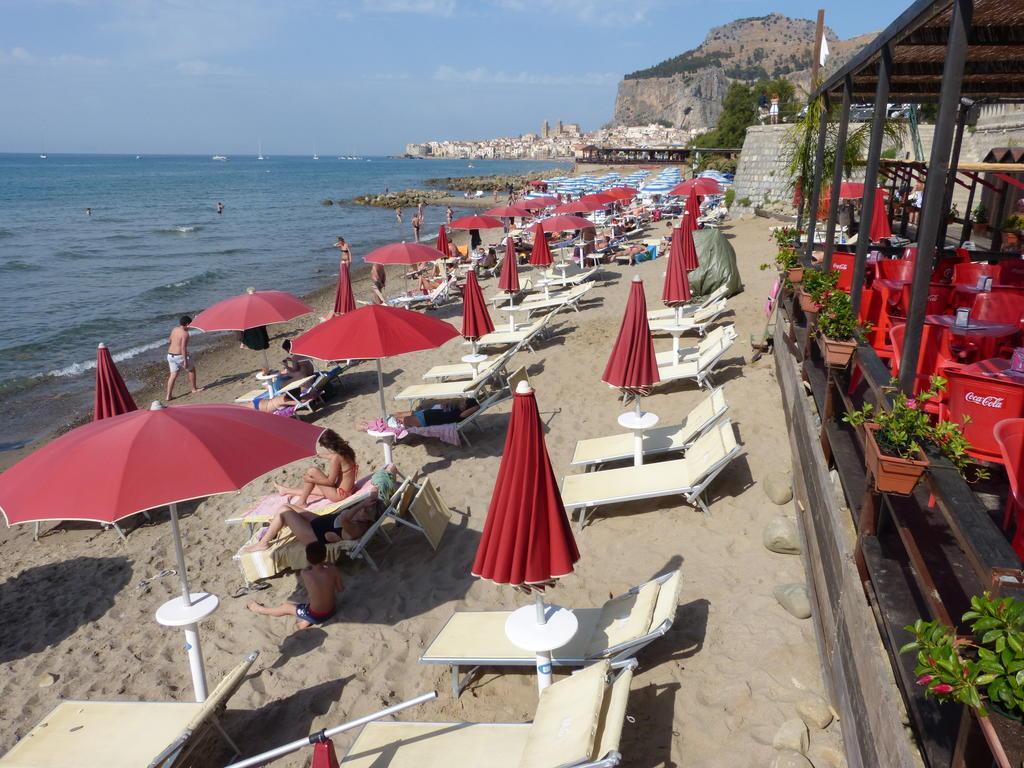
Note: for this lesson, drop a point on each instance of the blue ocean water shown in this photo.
(154, 246)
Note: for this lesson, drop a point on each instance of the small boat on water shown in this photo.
(259, 151)
(219, 157)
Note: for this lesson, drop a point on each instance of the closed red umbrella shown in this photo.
(509, 279)
(371, 333)
(476, 320)
(404, 253)
(564, 223)
(691, 213)
(112, 395)
(344, 301)
(676, 290)
(701, 186)
(477, 222)
(540, 256)
(577, 206)
(251, 310)
(686, 247)
(527, 540)
(536, 203)
(442, 241)
(880, 226)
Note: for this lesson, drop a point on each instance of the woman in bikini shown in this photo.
(339, 480)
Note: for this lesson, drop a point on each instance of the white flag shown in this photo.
(824, 50)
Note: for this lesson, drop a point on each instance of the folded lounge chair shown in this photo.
(688, 309)
(126, 734)
(422, 502)
(595, 451)
(578, 724)
(618, 630)
(688, 477)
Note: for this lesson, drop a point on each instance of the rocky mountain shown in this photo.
(687, 90)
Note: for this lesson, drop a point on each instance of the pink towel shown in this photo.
(446, 433)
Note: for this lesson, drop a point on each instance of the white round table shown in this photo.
(638, 423)
(175, 613)
(474, 360)
(388, 439)
(559, 627)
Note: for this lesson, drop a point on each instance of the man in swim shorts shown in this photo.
(322, 581)
(178, 357)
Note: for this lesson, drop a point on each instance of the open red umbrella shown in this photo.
(371, 333)
(157, 457)
(476, 320)
(442, 241)
(477, 222)
(251, 310)
(633, 366)
(622, 193)
(700, 186)
(508, 212)
(112, 395)
(536, 203)
(509, 279)
(599, 199)
(404, 253)
(344, 301)
(691, 213)
(540, 256)
(527, 540)
(577, 206)
(851, 189)
(564, 223)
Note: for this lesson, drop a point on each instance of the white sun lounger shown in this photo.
(525, 336)
(126, 734)
(438, 296)
(688, 309)
(688, 477)
(556, 281)
(292, 387)
(566, 300)
(618, 630)
(578, 724)
(595, 451)
(466, 371)
(698, 363)
(698, 321)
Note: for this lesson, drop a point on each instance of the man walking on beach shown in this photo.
(178, 357)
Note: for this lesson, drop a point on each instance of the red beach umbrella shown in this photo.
(251, 310)
(599, 199)
(477, 222)
(622, 193)
(851, 189)
(527, 539)
(476, 320)
(700, 186)
(880, 226)
(404, 253)
(509, 279)
(536, 203)
(565, 223)
(633, 364)
(371, 333)
(683, 245)
(344, 301)
(442, 242)
(676, 290)
(540, 256)
(508, 212)
(577, 206)
(692, 213)
(112, 396)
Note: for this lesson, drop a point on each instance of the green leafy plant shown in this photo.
(820, 283)
(954, 211)
(785, 260)
(836, 319)
(980, 213)
(987, 666)
(730, 195)
(1014, 222)
(785, 237)
(744, 202)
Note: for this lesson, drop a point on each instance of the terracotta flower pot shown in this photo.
(795, 275)
(837, 354)
(807, 304)
(890, 474)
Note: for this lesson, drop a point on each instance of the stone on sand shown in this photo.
(778, 486)
(814, 711)
(794, 598)
(790, 759)
(781, 535)
(47, 679)
(792, 735)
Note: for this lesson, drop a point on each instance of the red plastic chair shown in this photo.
(969, 273)
(987, 401)
(999, 307)
(1011, 272)
(843, 264)
(935, 359)
(939, 297)
(1009, 436)
(942, 270)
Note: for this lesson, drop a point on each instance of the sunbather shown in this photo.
(322, 581)
(339, 480)
(447, 413)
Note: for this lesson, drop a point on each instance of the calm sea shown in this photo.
(154, 248)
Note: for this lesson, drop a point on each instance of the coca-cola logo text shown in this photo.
(987, 401)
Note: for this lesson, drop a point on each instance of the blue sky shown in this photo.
(341, 76)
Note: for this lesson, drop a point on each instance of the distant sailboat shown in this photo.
(259, 156)
(42, 155)
(219, 157)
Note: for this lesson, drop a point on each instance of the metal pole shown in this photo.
(819, 160)
(543, 658)
(965, 232)
(867, 206)
(931, 209)
(179, 554)
(388, 457)
(837, 173)
(961, 121)
(1004, 211)
(293, 746)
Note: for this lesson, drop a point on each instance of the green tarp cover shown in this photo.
(717, 264)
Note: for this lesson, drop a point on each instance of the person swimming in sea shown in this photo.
(322, 581)
(220, 207)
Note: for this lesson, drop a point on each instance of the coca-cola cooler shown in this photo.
(987, 400)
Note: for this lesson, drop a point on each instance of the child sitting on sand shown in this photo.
(322, 581)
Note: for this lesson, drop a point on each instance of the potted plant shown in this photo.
(980, 219)
(1012, 228)
(954, 213)
(818, 284)
(786, 237)
(838, 329)
(894, 438)
(984, 670)
(788, 264)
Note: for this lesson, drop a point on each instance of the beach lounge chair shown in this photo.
(566, 300)
(436, 297)
(689, 309)
(526, 336)
(697, 363)
(127, 734)
(253, 394)
(618, 630)
(698, 321)
(593, 452)
(450, 371)
(688, 477)
(556, 281)
(420, 501)
(578, 724)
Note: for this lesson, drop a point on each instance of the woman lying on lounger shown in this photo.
(449, 413)
(345, 525)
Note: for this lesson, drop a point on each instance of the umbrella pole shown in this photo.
(543, 658)
(388, 457)
(179, 554)
(266, 361)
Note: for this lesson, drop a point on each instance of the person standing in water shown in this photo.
(449, 214)
(178, 357)
(88, 211)
(417, 222)
(220, 207)
(398, 215)
(346, 252)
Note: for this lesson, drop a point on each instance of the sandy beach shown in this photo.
(713, 692)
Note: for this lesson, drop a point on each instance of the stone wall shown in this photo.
(761, 175)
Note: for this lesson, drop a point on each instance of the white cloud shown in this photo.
(482, 75)
(444, 8)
